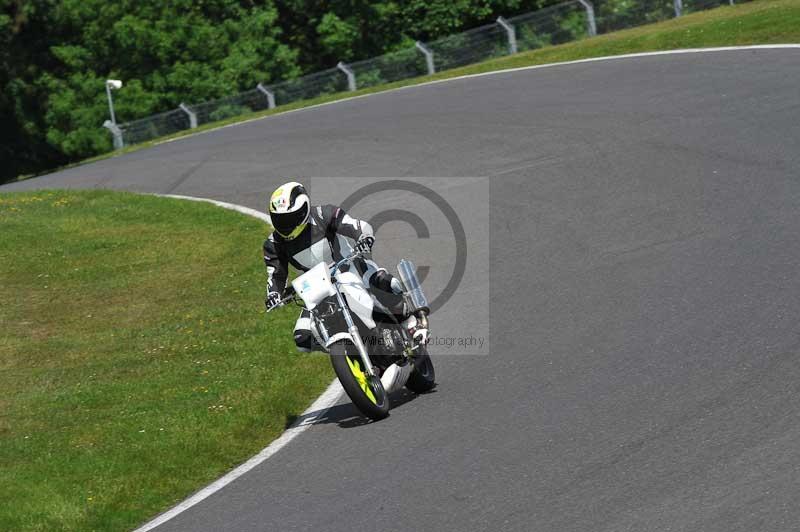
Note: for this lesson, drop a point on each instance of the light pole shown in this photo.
(112, 84)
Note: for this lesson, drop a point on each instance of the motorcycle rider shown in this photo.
(306, 235)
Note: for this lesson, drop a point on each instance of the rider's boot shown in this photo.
(389, 291)
(305, 341)
(418, 332)
(392, 292)
(386, 282)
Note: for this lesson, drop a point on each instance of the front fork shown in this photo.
(355, 334)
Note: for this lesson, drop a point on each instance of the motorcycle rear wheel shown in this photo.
(423, 378)
(366, 391)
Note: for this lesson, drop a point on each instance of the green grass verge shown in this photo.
(136, 362)
(757, 22)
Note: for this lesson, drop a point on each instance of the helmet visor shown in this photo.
(285, 223)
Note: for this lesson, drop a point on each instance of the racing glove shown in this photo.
(364, 245)
(272, 299)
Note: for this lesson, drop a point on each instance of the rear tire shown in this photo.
(365, 391)
(423, 378)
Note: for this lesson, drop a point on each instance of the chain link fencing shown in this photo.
(556, 24)
(239, 104)
(154, 126)
(311, 86)
(613, 15)
(394, 66)
(473, 46)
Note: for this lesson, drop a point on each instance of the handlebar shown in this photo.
(288, 296)
(333, 269)
(349, 258)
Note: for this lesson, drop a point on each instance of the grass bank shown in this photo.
(757, 22)
(136, 362)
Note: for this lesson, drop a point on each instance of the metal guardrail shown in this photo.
(559, 23)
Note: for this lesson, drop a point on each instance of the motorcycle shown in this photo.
(371, 357)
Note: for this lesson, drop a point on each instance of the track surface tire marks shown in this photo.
(645, 239)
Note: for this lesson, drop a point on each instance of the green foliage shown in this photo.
(226, 111)
(528, 39)
(618, 14)
(55, 55)
(757, 22)
(338, 36)
(325, 32)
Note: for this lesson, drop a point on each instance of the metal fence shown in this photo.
(560, 23)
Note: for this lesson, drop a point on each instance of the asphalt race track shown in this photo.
(644, 244)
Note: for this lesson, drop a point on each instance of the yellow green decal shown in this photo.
(361, 378)
(275, 197)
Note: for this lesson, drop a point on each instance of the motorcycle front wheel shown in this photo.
(366, 391)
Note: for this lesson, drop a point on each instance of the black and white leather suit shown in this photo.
(329, 236)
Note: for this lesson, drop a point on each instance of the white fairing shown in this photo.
(314, 285)
(395, 377)
(335, 338)
(358, 298)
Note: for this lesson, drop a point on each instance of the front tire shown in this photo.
(365, 391)
(423, 378)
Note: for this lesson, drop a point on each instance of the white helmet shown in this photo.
(289, 207)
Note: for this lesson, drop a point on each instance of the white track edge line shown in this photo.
(230, 206)
(317, 409)
(495, 72)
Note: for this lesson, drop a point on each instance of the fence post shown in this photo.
(678, 7)
(428, 56)
(116, 134)
(351, 78)
(591, 24)
(511, 33)
(190, 114)
(269, 94)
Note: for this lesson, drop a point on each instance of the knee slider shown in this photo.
(382, 280)
(304, 340)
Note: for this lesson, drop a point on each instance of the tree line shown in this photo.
(55, 56)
